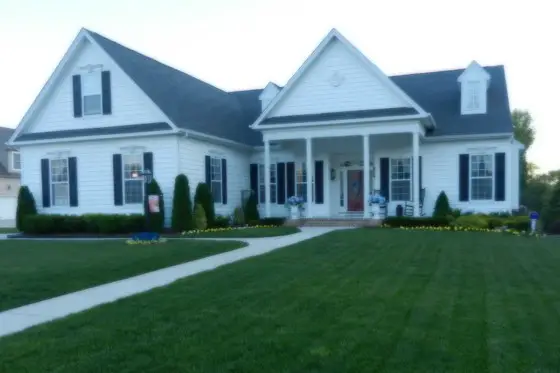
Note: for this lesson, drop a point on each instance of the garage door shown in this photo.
(8, 208)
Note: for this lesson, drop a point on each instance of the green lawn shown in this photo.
(248, 233)
(351, 301)
(31, 271)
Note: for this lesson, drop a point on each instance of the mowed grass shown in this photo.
(349, 301)
(31, 271)
(248, 233)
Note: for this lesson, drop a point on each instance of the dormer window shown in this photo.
(16, 161)
(91, 93)
(474, 83)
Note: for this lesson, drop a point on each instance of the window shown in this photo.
(273, 183)
(482, 177)
(59, 182)
(216, 179)
(473, 96)
(16, 161)
(401, 169)
(301, 182)
(91, 92)
(133, 182)
(341, 188)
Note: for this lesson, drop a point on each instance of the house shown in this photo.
(10, 167)
(339, 127)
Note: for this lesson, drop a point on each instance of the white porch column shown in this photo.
(267, 178)
(416, 172)
(309, 174)
(367, 177)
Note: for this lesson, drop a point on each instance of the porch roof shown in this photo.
(344, 115)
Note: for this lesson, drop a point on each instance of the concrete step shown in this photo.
(334, 222)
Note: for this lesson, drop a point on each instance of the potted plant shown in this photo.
(375, 200)
(295, 204)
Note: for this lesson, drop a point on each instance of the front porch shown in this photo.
(340, 183)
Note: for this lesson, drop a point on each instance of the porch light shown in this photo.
(333, 174)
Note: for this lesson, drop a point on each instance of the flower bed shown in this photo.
(456, 228)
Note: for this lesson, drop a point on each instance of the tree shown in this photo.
(155, 220)
(182, 214)
(25, 206)
(524, 132)
(442, 208)
(203, 197)
(251, 210)
(551, 213)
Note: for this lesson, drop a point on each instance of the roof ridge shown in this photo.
(441, 71)
(96, 34)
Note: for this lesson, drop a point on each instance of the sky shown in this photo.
(244, 44)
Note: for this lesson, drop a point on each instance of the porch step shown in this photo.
(333, 222)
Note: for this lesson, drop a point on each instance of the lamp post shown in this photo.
(147, 176)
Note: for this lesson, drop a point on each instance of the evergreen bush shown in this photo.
(251, 210)
(25, 206)
(442, 208)
(203, 197)
(155, 220)
(200, 217)
(182, 214)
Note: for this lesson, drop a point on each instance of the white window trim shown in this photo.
(391, 178)
(99, 73)
(13, 161)
(493, 194)
(124, 179)
(52, 183)
(212, 180)
(300, 166)
(473, 92)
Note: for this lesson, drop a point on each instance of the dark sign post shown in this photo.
(534, 216)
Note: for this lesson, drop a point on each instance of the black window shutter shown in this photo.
(500, 179)
(106, 91)
(73, 180)
(117, 179)
(45, 181)
(224, 181)
(207, 171)
(281, 183)
(463, 177)
(254, 177)
(149, 162)
(384, 177)
(319, 188)
(291, 179)
(77, 93)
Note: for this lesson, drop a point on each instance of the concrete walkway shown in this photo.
(21, 318)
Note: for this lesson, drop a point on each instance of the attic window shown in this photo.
(473, 96)
(91, 91)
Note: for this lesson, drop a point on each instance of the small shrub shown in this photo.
(25, 206)
(222, 222)
(276, 222)
(253, 223)
(518, 223)
(200, 221)
(251, 210)
(501, 214)
(238, 217)
(406, 221)
(181, 217)
(495, 222)
(203, 197)
(472, 221)
(551, 213)
(156, 219)
(455, 213)
(442, 208)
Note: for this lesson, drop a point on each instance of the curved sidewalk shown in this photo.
(21, 318)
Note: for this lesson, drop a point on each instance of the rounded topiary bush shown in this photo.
(471, 221)
(25, 206)
(442, 208)
(203, 197)
(200, 217)
(182, 214)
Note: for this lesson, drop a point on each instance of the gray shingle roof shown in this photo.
(98, 131)
(341, 115)
(193, 104)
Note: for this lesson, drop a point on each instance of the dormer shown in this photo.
(474, 82)
(268, 94)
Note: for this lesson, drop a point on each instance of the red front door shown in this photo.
(355, 190)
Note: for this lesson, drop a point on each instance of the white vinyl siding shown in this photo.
(133, 187)
(60, 191)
